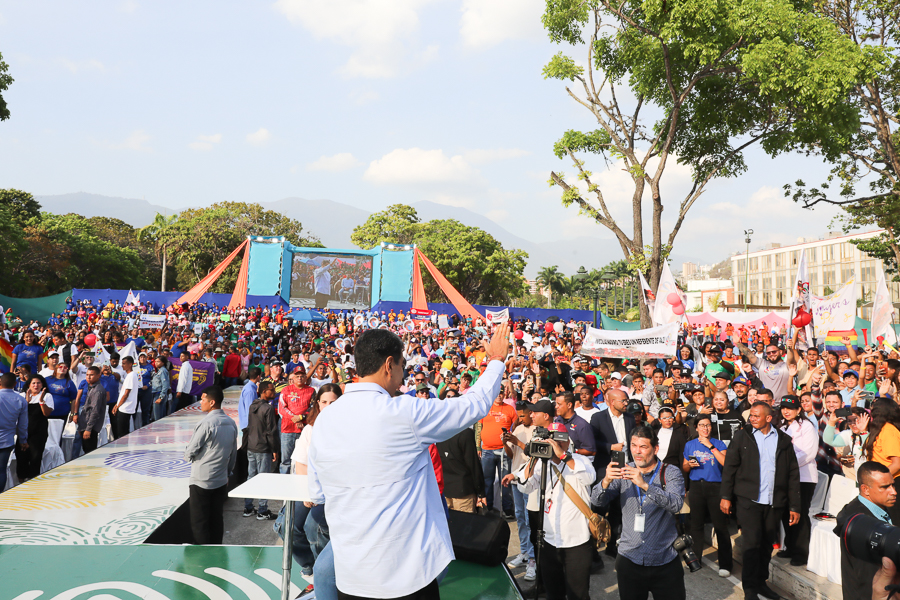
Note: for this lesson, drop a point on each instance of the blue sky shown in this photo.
(365, 102)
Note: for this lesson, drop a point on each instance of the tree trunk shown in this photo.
(162, 286)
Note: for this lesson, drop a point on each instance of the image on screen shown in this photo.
(326, 280)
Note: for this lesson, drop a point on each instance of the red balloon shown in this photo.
(674, 299)
(802, 319)
(90, 340)
(678, 309)
(548, 327)
(519, 335)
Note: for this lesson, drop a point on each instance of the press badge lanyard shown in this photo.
(640, 517)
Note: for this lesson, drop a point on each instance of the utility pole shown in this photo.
(748, 233)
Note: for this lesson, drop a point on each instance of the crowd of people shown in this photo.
(734, 429)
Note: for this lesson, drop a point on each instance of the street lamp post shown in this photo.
(747, 233)
(581, 275)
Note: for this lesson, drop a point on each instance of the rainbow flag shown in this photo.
(834, 341)
(6, 352)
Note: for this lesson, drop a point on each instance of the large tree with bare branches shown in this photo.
(697, 82)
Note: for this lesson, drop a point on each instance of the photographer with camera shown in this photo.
(876, 497)
(565, 557)
(761, 471)
(651, 494)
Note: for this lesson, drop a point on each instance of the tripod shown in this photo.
(539, 535)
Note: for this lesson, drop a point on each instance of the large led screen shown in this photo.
(325, 280)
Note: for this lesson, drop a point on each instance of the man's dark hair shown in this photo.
(652, 363)
(254, 373)
(93, 369)
(567, 397)
(373, 347)
(129, 359)
(7, 381)
(834, 393)
(114, 355)
(867, 469)
(263, 386)
(215, 394)
(660, 371)
(765, 392)
(644, 431)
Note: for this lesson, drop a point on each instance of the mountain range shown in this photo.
(333, 222)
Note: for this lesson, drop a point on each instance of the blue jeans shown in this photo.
(316, 535)
(257, 462)
(159, 410)
(230, 381)
(173, 400)
(303, 554)
(288, 440)
(495, 463)
(4, 462)
(521, 501)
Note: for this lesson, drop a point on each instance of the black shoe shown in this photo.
(509, 516)
(798, 562)
(249, 512)
(783, 554)
(751, 595)
(768, 592)
(266, 516)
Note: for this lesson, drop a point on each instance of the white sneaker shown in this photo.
(517, 562)
(724, 572)
(530, 571)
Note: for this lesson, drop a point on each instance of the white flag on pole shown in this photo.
(883, 311)
(664, 311)
(131, 298)
(648, 295)
(801, 303)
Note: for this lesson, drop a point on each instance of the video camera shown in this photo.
(869, 539)
(539, 446)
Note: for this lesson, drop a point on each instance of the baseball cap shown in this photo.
(422, 387)
(790, 401)
(676, 364)
(850, 372)
(300, 369)
(740, 379)
(722, 375)
(616, 375)
(591, 379)
(543, 405)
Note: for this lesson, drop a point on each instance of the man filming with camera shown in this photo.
(876, 496)
(564, 559)
(651, 494)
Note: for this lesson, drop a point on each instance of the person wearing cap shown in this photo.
(386, 519)
(566, 554)
(805, 437)
(851, 391)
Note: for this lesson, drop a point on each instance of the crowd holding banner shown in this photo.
(665, 384)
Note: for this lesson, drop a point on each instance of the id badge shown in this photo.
(549, 504)
(639, 522)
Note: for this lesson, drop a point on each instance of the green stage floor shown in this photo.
(188, 573)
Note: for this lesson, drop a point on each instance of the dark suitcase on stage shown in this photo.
(482, 539)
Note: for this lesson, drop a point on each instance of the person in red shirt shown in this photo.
(293, 405)
(231, 368)
(493, 458)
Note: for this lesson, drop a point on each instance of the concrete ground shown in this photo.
(248, 531)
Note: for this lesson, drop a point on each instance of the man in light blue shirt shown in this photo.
(768, 445)
(248, 395)
(387, 522)
(13, 422)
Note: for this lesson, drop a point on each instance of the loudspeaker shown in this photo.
(482, 539)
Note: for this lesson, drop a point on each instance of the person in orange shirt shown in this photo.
(729, 330)
(494, 461)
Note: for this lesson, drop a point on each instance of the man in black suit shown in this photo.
(761, 471)
(612, 432)
(876, 497)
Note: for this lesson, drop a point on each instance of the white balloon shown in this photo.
(558, 327)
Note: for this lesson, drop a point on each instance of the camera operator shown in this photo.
(565, 558)
(651, 494)
(876, 496)
(761, 471)
(578, 429)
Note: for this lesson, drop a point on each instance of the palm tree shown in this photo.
(155, 233)
(552, 280)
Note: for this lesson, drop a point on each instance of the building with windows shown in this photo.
(831, 261)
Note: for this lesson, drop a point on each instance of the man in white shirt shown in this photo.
(387, 522)
(185, 382)
(322, 283)
(128, 397)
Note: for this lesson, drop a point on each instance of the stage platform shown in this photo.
(115, 502)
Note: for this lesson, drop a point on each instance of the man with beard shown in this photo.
(741, 388)
(651, 494)
(773, 371)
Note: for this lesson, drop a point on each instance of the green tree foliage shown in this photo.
(21, 205)
(201, 238)
(695, 83)
(865, 179)
(472, 260)
(155, 235)
(397, 224)
(5, 81)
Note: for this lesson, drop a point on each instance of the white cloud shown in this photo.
(339, 162)
(485, 156)
(485, 23)
(363, 97)
(382, 35)
(417, 166)
(137, 141)
(82, 66)
(259, 137)
(205, 142)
